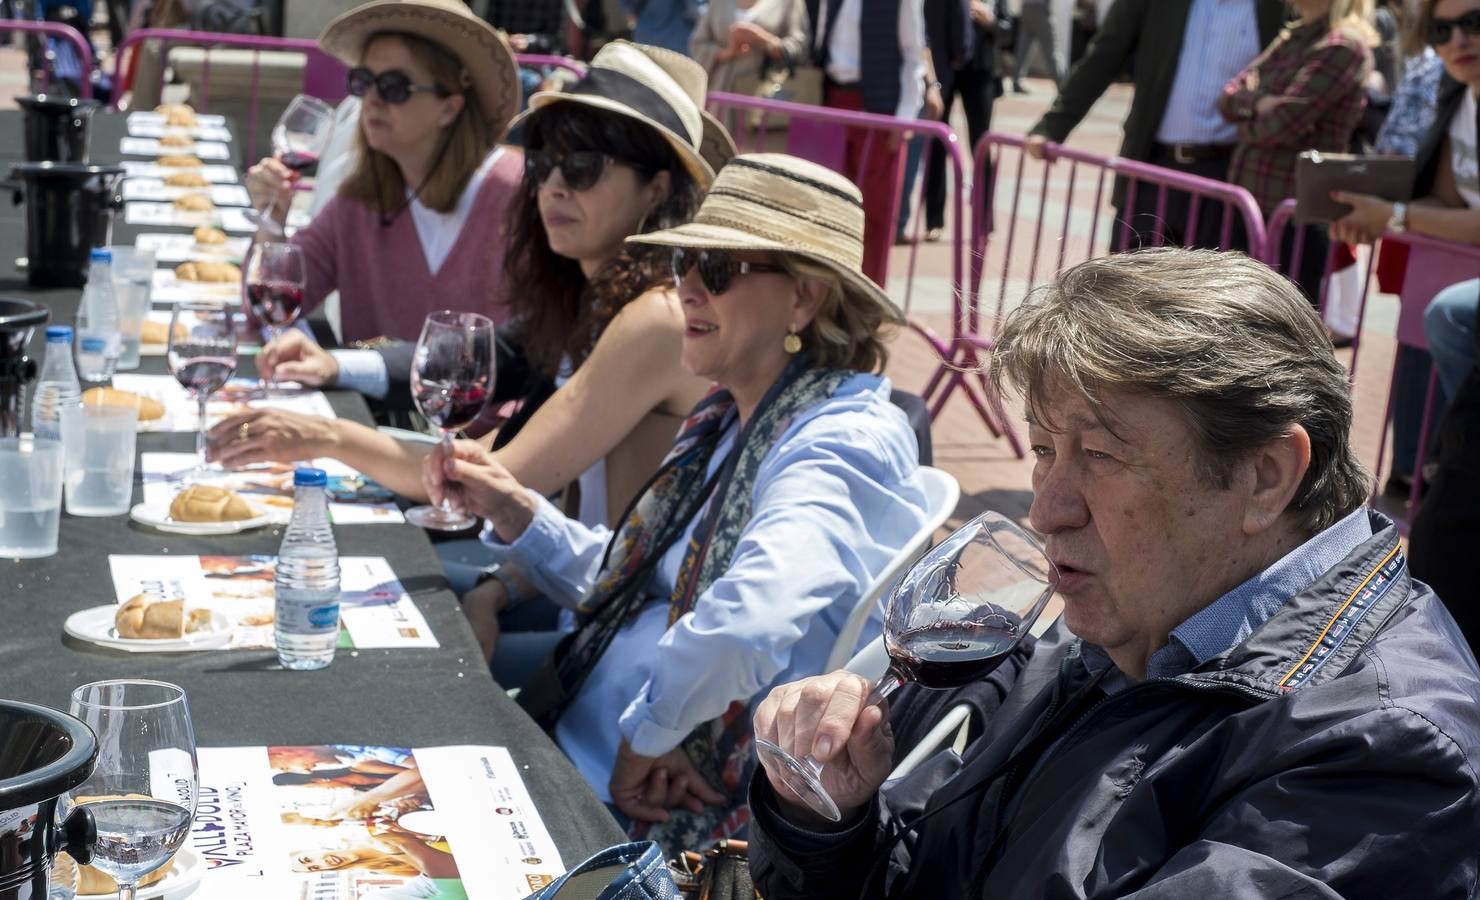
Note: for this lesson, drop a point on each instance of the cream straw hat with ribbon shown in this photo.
(493, 75)
(661, 89)
(773, 202)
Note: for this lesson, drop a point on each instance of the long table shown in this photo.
(410, 698)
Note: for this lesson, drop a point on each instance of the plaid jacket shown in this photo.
(1316, 74)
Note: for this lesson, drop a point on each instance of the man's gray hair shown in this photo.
(1230, 340)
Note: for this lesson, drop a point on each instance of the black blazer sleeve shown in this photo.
(1105, 59)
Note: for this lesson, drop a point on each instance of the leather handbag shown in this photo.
(721, 873)
(1317, 174)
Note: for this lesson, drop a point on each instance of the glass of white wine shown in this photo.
(142, 792)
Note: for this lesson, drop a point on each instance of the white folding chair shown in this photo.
(941, 493)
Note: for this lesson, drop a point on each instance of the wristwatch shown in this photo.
(1397, 223)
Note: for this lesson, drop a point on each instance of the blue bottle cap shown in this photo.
(310, 478)
(102, 254)
(94, 345)
(58, 333)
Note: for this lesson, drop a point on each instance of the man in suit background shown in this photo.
(1182, 53)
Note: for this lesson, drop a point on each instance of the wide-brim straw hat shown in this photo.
(661, 89)
(493, 75)
(773, 202)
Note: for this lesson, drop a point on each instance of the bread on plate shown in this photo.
(209, 503)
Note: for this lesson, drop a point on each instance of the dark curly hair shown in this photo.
(556, 311)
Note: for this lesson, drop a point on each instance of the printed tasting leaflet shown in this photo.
(270, 486)
(239, 395)
(345, 822)
(374, 609)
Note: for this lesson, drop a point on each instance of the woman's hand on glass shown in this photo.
(271, 182)
(269, 435)
(830, 718)
(479, 485)
(295, 357)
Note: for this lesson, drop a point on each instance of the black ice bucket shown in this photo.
(69, 211)
(57, 128)
(43, 754)
(18, 318)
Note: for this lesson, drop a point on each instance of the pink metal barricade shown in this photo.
(66, 33)
(323, 76)
(817, 133)
(1081, 231)
(1432, 266)
(544, 60)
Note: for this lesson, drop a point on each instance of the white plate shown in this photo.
(184, 877)
(95, 626)
(157, 516)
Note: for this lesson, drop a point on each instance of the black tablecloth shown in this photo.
(242, 698)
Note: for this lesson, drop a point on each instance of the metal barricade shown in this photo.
(544, 60)
(46, 77)
(323, 76)
(817, 133)
(1432, 265)
(1078, 231)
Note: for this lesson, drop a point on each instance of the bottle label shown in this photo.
(307, 612)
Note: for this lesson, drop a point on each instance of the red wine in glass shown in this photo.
(449, 406)
(202, 356)
(298, 161)
(275, 303)
(199, 373)
(952, 618)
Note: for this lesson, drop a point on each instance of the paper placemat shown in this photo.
(173, 248)
(269, 485)
(213, 174)
(239, 395)
(155, 190)
(228, 218)
(137, 146)
(149, 117)
(158, 129)
(375, 611)
(281, 821)
(167, 288)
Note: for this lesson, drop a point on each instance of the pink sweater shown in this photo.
(381, 274)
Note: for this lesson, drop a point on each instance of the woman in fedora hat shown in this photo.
(415, 224)
(789, 488)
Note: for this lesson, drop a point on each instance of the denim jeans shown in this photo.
(1449, 325)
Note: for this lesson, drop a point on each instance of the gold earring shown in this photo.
(792, 343)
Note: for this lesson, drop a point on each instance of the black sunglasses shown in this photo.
(393, 85)
(716, 268)
(1441, 30)
(581, 169)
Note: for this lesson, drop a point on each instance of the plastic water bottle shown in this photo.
(58, 386)
(99, 340)
(307, 578)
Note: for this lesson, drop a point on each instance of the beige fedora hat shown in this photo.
(779, 203)
(483, 52)
(657, 87)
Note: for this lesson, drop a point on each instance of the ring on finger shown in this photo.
(243, 431)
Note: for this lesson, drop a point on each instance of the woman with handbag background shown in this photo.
(740, 43)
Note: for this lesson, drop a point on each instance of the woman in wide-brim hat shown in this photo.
(414, 226)
(787, 492)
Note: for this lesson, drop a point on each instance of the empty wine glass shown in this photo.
(202, 357)
(274, 283)
(952, 618)
(451, 381)
(298, 140)
(142, 792)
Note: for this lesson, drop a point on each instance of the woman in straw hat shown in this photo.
(416, 222)
(789, 488)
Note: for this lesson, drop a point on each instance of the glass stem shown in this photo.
(126, 891)
(886, 685)
(446, 497)
(200, 432)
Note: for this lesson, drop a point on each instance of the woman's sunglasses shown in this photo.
(716, 268)
(1441, 30)
(393, 85)
(580, 169)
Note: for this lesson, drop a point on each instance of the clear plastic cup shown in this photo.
(30, 497)
(133, 273)
(98, 443)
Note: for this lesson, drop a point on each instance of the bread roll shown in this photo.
(179, 161)
(166, 109)
(149, 408)
(175, 140)
(194, 203)
(159, 333)
(205, 234)
(208, 272)
(147, 617)
(186, 179)
(208, 503)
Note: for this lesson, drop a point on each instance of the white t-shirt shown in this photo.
(439, 231)
(1462, 152)
(845, 53)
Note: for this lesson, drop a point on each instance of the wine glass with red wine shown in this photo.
(299, 138)
(952, 618)
(274, 284)
(202, 356)
(451, 381)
